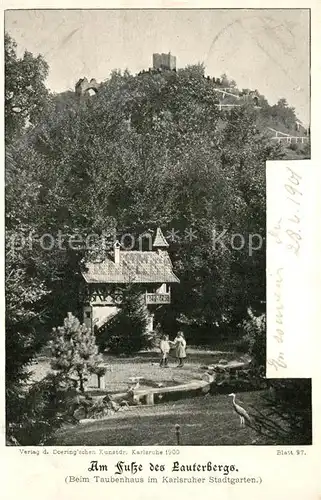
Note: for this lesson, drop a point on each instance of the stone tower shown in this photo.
(164, 61)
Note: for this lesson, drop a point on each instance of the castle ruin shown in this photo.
(164, 61)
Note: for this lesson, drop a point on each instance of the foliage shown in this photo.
(44, 407)
(25, 99)
(74, 351)
(26, 96)
(148, 150)
(227, 381)
(22, 340)
(286, 413)
(126, 333)
(284, 114)
(23, 296)
(253, 340)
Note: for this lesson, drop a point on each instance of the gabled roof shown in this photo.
(160, 241)
(133, 267)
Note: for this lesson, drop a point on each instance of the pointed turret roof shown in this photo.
(160, 241)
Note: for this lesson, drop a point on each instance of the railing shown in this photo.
(290, 139)
(158, 298)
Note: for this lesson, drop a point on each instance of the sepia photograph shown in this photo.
(136, 149)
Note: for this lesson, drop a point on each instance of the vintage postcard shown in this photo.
(161, 250)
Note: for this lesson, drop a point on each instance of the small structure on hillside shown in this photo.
(164, 61)
(151, 270)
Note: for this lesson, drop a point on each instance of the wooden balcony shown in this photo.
(158, 298)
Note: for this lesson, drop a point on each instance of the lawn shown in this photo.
(146, 364)
(205, 420)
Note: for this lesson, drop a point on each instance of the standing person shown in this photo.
(164, 348)
(180, 344)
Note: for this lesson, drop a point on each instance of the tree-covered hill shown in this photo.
(270, 119)
(147, 150)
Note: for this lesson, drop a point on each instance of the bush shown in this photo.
(74, 351)
(253, 343)
(294, 146)
(36, 411)
(254, 340)
(44, 408)
(243, 345)
(241, 380)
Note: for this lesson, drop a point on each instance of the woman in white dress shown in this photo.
(180, 345)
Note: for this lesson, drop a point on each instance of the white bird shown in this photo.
(240, 411)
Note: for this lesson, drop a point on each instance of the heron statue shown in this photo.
(240, 411)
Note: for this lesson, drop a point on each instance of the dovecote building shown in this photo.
(151, 270)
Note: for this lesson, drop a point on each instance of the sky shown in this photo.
(264, 49)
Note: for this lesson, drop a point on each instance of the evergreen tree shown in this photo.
(127, 332)
(26, 97)
(45, 407)
(74, 351)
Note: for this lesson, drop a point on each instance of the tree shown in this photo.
(74, 351)
(282, 103)
(23, 300)
(26, 292)
(126, 333)
(26, 96)
(25, 101)
(148, 150)
(226, 82)
(45, 406)
(283, 116)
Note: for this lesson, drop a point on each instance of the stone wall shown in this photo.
(164, 61)
(83, 86)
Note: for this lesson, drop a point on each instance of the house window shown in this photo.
(87, 314)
